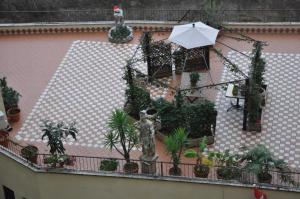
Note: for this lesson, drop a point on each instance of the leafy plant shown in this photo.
(256, 82)
(196, 118)
(30, 153)
(174, 145)
(228, 164)
(120, 33)
(191, 153)
(260, 161)
(122, 131)
(194, 78)
(109, 165)
(10, 96)
(137, 98)
(235, 90)
(200, 170)
(56, 133)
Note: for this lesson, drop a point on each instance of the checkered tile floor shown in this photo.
(281, 119)
(86, 87)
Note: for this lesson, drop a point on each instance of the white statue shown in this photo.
(118, 14)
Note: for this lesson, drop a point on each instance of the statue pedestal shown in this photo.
(148, 164)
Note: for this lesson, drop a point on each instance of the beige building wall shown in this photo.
(41, 185)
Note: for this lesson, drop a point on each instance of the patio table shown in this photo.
(237, 97)
(192, 95)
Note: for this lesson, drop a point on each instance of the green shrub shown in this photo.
(120, 33)
(108, 165)
(138, 99)
(197, 118)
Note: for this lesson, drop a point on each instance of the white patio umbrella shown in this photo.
(193, 35)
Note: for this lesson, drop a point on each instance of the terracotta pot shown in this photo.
(174, 172)
(131, 167)
(70, 161)
(4, 139)
(201, 171)
(13, 114)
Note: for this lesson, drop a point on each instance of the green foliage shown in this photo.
(259, 160)
(123, 132)
(196, 118)
(256, 82)
(29, 152)
(109, 165)
(56, 133)
(137, 97)
(194, 78)
(169, 115)
(191, 153)
(120, 33)
(10, 96)
(235, 90)
(174, 145)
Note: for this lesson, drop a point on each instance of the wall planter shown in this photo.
(30, 153)
(13, 114)
(120, 38)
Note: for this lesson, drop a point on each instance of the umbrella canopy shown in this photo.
(193, 35)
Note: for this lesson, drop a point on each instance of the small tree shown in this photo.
(56, 134)
(256, 82)
(123, 132)
(175, 144)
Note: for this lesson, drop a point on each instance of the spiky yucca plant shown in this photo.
(122, 131)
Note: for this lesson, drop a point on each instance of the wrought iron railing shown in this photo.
(92, 165)
(177, 15)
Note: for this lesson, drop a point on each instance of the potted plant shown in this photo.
(4, 138)
(56, 133)
(11, 100)
(174, 145)
(109, 165)
(122, 132)
(200, 170)
(228, 165)
(194, 78)
(260, 161)
(30, 153)
(235, 90)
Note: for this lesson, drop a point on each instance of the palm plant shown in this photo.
(122, 132)
(260, 161)
(200, 170)
(56, 133)
(174, 145)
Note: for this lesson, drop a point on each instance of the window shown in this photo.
(8, 193)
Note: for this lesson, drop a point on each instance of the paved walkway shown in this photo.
(87, 86)
(281, 119)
